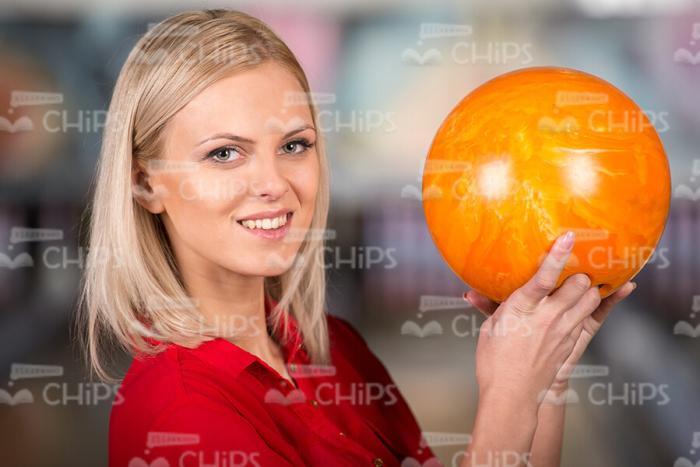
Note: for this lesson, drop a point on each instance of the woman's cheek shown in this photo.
(308, 182)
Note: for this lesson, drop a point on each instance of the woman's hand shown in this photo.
(534, 339)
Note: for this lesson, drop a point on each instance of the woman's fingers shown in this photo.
(571, 291)
(609, 302)
(484, 304)
(527, 297)
(583, 308)
(592, 306)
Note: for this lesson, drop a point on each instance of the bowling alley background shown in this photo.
(389, 71)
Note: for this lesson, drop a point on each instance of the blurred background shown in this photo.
(390, 80)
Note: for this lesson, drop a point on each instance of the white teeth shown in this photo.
(265, 224)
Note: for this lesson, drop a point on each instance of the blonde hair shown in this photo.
(130, 264)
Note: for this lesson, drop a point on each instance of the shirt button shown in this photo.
(341, 434)
(378, 462)
(314, 402)
(292, 367)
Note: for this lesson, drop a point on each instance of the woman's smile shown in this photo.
(270, 227)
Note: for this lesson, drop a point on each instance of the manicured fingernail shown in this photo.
(567, 241)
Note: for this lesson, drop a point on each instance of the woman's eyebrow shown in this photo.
(230, 136)
(298, 130)
(241, 139)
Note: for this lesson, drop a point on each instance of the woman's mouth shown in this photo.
(268, 227)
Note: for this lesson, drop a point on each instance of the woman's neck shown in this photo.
(234, 306)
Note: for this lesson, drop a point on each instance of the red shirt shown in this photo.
(221, 406)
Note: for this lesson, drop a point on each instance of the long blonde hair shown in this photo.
(130, 263)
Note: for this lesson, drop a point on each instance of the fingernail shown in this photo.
(567, 241)
(466, 299)
(634, 285)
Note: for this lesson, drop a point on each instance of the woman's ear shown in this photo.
(146, 193)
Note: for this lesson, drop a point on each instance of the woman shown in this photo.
(206, 265)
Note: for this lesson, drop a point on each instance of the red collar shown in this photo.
(233, 359)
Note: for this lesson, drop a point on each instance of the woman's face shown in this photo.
(239, 151)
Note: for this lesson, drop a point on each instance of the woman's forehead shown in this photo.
(245, 101)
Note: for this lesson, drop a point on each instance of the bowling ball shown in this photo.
(532, 154)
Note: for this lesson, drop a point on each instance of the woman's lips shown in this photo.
(270, 234)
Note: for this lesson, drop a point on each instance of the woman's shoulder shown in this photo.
(151, 384)
(349, 345)
(342, 332)
(172, 391)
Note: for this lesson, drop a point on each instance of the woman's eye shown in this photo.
(224, 154)
(296, 146)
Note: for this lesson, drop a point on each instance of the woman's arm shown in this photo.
(578, 314)
(503, 432)
(546, 448)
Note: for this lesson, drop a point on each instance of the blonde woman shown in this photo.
(206, 265)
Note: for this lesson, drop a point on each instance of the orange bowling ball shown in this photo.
(532, 154)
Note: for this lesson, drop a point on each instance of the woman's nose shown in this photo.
(266, 180)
